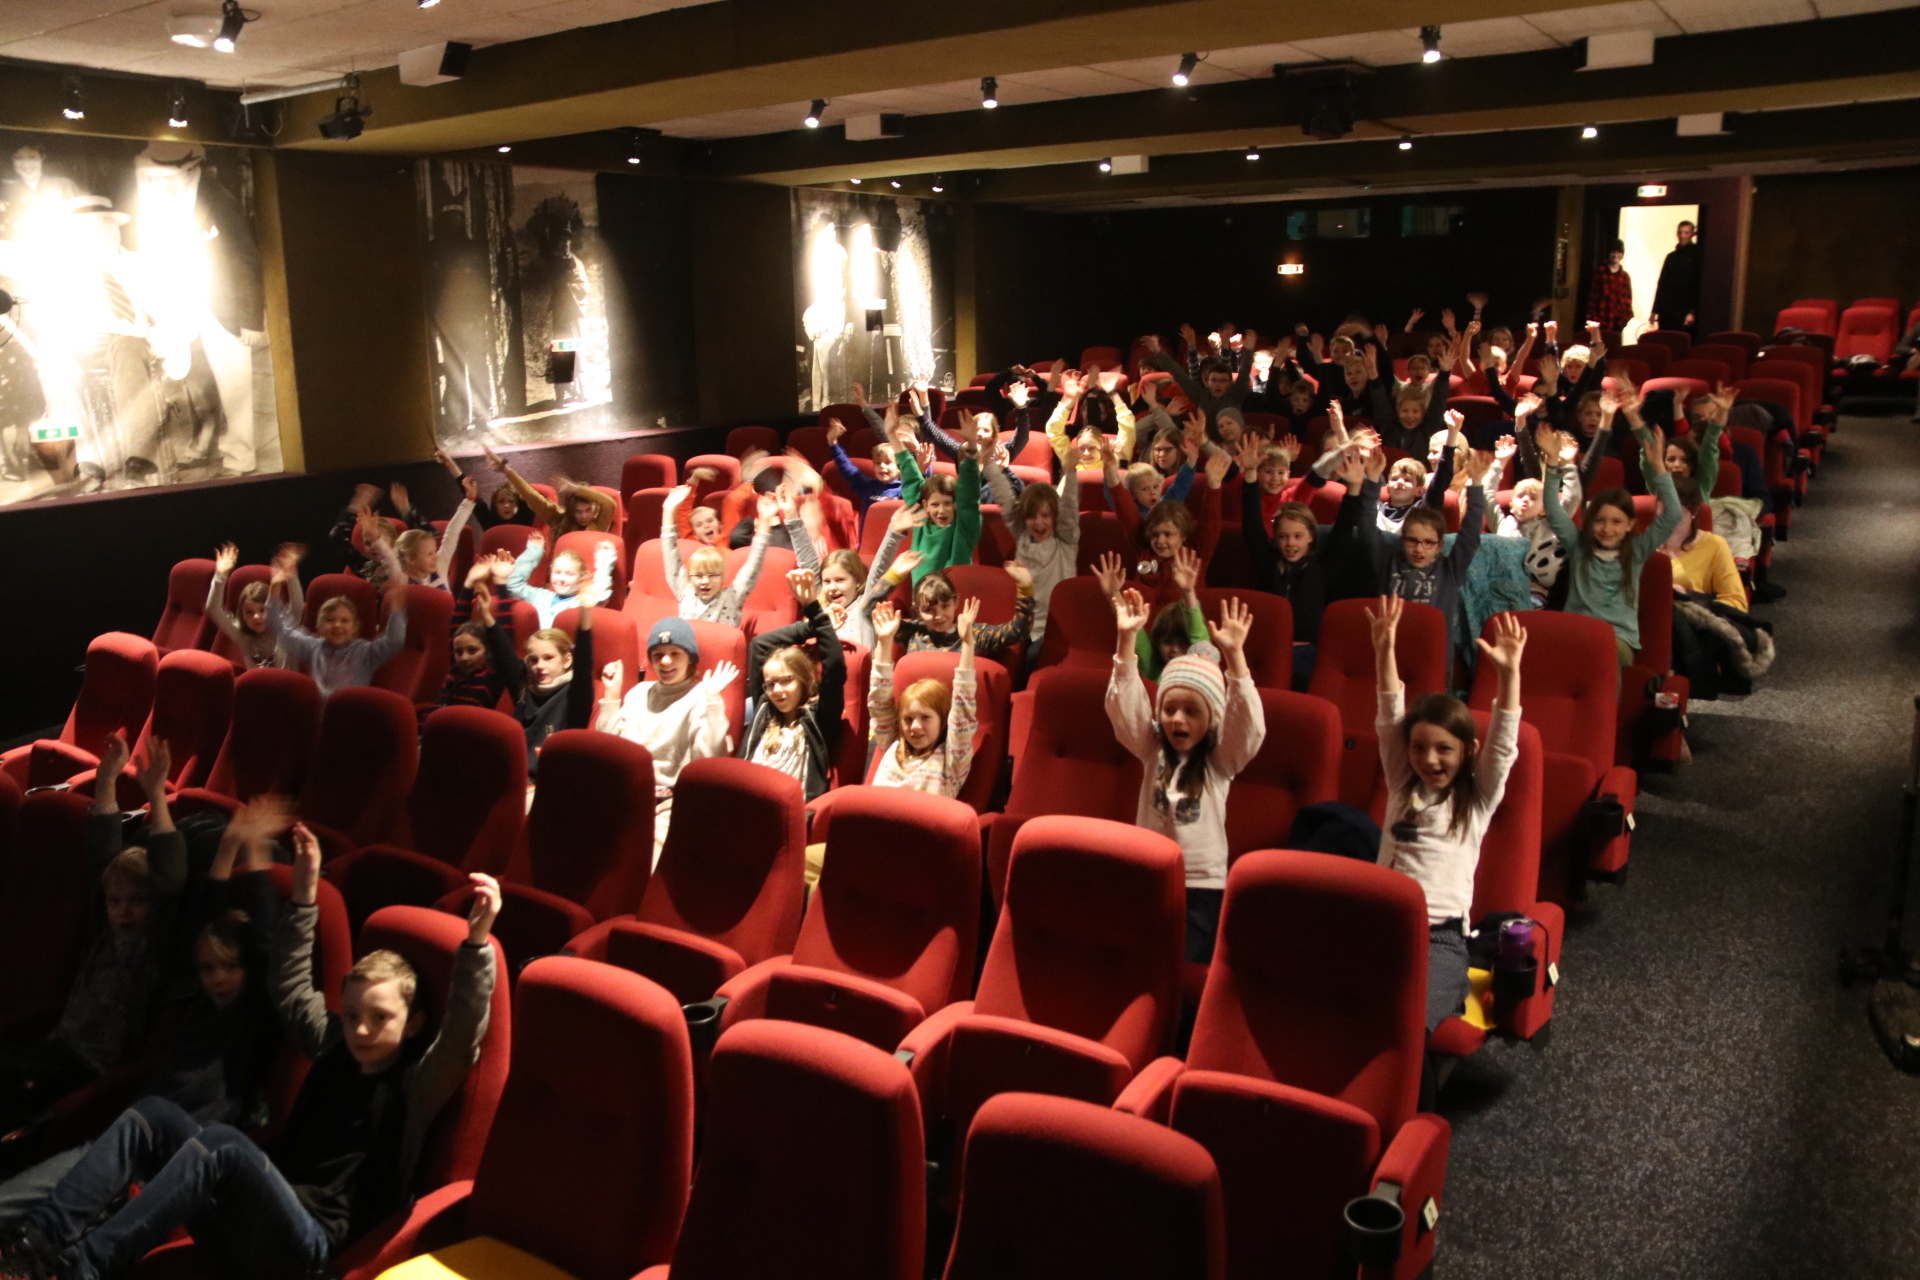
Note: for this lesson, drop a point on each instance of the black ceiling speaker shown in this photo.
(1327, 108)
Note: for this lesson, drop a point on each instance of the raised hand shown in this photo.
(397, 493)
(1130, 612)
(1479, 301)
(1230, 633)
(1111, 573)
(481, 610)
(1021, 575)
(886, 621)
(1019, 392)
(1414, 319)
(800, 582)
(835, 429)
(493, 459)
(1509, 641)
(906, 562)
(1217, 464)
(1384, 623)
(963, 621)
(306, 868)
(225, 556)
(537, 541)
(1186, 570)
(485, 909)
(113, 762)
(1446, 320)
(859, 394)
(153, 770)
(613, 675)
(470, 488)
(1655, 447)
(1505, 447)
(722, 675)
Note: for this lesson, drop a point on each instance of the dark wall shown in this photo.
(1016, 265)
(357, 311)
(1124, 274)
(742, 322)
(644, 226)
(100, 564)
(1719, 201)
(1833, 235)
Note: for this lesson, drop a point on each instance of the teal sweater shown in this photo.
(939, 547)
(1596, 588)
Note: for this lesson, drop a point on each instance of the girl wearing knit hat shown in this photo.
(1442, 790)
(1204, 727)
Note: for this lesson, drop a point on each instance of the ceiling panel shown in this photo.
(1568, 25)
(1259, 59)
(1157, 73)
(1375, 48)
(1718, 15)
(1489, 37)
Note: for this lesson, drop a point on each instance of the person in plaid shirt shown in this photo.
(1611, 305)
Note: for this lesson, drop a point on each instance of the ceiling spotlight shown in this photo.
(895, 184)
(1188, 61)
(813, 113)
(1590, 131)
(177, 107)
(74, 99)
(503, 148)
(989, 92)
(633, 146)
(426, 4)
(854, 181)
(349, 116)
(1253, 153)
(1406, 142)
(1106, 166)
(1430, 44)
(232, 19)
(939, 183)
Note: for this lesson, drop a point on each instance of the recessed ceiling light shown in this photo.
(1106, 166)
(854, 181)
(1253, 153)
(503, 148)
(1406, 142)
(1590, 131)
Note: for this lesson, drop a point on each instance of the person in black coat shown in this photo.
(1676, 299)
(797, 698)
(553, 688)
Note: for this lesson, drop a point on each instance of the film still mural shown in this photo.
(516, 302)
(133, 344)
(873, 301)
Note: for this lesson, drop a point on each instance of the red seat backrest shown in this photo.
(1298, 765)
(1708, 372)
(358, 592)
(1656, 614)
(648, 471)
(1080, 626)
(586, 544)
(1866, 330)
(1728, 483)
(1090, 934)
(589, 836)
(116, 691)
(192, 711)
(1812, 319)
(183, 622)
(44, 899)
(470, 791)
(745, 891)
(1778, 390)
(1731, 354)
(363, 764)
(770, 604)
(419, 670)
(899, 894)
(276, 721)
(1270, 642)
(1507, 877)
(1274, 1010)
(741, 440)
(644, 509)
(1677, 341)
(1650, 354)
(1747, 342)
(1072, 761)
(812, 444)
(726, 470)
(616, 638)
(1569, 682)
(602, 1086)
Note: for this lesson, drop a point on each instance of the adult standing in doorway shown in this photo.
(1610, 296)
(1676, 299)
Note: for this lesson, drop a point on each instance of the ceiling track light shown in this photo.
(232, 19)
(349, 116)
(1106, 166)
(504, 148)
(1253, 153)
(1590, 131)
(426, 4)
(939, 183)
(854, 181)
(894, 183)
(1430, 44)
(1188, 61)
(177, 107)
(1406, 142)
(989, 92)
(73, 98)
(814, 113)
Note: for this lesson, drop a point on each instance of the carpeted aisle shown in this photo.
(1711, 1103)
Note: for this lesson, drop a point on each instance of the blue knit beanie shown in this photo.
(677, 632)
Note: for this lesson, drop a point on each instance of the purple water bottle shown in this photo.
(1516, 944)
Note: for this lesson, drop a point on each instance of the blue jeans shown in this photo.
(214, 1181)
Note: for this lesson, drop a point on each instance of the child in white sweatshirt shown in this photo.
(1045, 523)
(1205, 727)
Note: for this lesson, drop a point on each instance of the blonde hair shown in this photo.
(409, 542)
(707, 559)
(1575, 354)
(336, 603)
(801, 668)
(1411, 467)
(1274, 453)
(129, 870)
(579, 564)
(384, 966)
(1531, 486)
(226, 935)
(1142, 471)
(849, 562)
(935, 697)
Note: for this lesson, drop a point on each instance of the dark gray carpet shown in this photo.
(1711, 1102)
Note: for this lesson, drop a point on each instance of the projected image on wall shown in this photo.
(873, 297)
(516, 302)
(133, 343)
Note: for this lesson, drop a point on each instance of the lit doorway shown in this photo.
(1648, 233)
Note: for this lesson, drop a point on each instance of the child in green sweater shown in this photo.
(952, 528)
(1178, 627)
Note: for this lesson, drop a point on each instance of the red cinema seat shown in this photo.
(586, 544)
(1748, 342)
(10, 797)
(1641, 734)
(1101, 532)
(1570, 691)
(1622, 367)
(1506, 882)
(644, 509)
(183, 622)
(1710, 372)
(1269, 644)
(510, 538)
(116, 696)
(873, 527)
(1081, 631)
(44, 900)
(1298, 765)
(363, 768)
(650, 573)
(269, 744)
(1082, 979)
(1866, 331)
(1476, 411)
(1343, 674)
(890, 935)
(850, 755)
(1651, 354)
(998, 595)
(357, 591)
(1678, 342)
(647, 471)
(743, 440)
(192, 711)
(1885, 304)
(616, 638)
(600, 1096)
(1811, 319)
(1684, 390)
(812, 1162)
(586, 851)
(1055, 1187)
(1069, 761)
(812, 444)
(770, 605)
(1731, 354)
(463, 815)
(726, 469)
(1303, 1078)
(714, 907)
(419, 670)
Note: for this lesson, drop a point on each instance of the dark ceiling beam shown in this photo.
(117, 105)
(1829, 134)
(734, 54)
(1794, 64)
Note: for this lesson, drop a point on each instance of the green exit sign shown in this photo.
(47, 431)
(564, 344)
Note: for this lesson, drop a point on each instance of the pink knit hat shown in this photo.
(1200, 674)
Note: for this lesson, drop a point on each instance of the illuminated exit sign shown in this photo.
(1293, 269)
(1652, 190)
